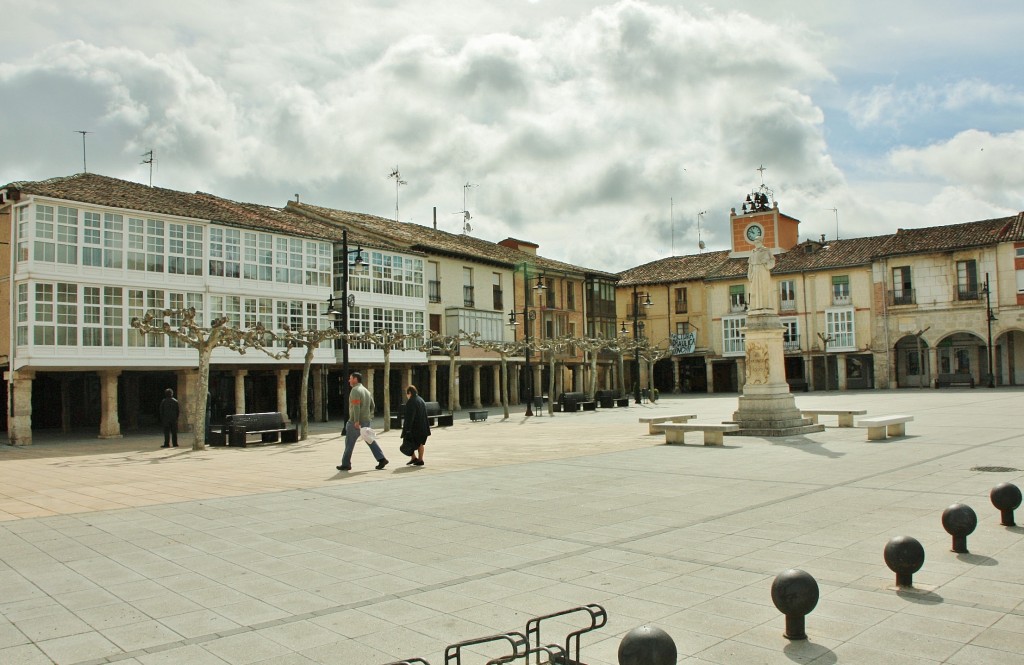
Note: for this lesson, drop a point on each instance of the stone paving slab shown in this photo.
(118, 551)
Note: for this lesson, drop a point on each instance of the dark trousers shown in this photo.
(171, 434)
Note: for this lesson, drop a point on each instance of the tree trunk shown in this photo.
(198, 411)
(453, 386)
(304, 394)
(504, 384)
(387, 388)
(551, 384)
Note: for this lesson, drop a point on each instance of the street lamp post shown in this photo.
(636, 336)
(990, 318)
(529, 316)
(346, 302)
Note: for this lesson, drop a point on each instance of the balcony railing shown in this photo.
(968, 294)
(467, 296)
(737, 306)
(498, 300)
(681, 307)
(791, 343)
(434, 289)
(839, 299)
(787, 305)
(902, 297)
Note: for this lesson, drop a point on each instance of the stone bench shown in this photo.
(713, 432)
(845, 415)
(881, 426)
(655, 424)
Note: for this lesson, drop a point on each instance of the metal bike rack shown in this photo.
(453, 653)
(571, 654)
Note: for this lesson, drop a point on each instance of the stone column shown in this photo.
(513, 383)
(110, 426)
(19, 420)
(476, 387)
(319, 412)
(841, 370)
(433, 381)
(933, 367)
(240, 375)
(496, 382)
(538, 387)
(809, 372)
(407, 379)
(282, 393)
(368, 384)
(676, 385)
(741, 373)
(709, 372)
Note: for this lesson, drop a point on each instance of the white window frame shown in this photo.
(733, 335)
(840, 324)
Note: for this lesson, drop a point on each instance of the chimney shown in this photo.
(435, 218)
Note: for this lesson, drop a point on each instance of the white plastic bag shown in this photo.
(367, 435)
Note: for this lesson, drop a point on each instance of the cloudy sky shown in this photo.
(598, 130)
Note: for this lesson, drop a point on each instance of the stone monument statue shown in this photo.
(759, 267)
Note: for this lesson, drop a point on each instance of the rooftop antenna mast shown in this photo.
(398, 183)
(700, 243)
(83, 133)
(148, 159)
(836, 211)
(466, 226)
(672, 223)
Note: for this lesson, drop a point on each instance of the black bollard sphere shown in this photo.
(795, 594)
(1006, 497)
(959, 521)
(904, 556)
(647, 645)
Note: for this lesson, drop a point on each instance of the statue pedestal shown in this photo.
(766, 407)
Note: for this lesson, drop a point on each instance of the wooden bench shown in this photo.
(845, 415)
(654, 424)
(621, 401)
(589, 405)
(270, 426)
(713, 432)
(477, 416)
(957, 379)
(436, 417)
(881, 426)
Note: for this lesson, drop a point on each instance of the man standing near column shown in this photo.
(360, 415)
(169, 412)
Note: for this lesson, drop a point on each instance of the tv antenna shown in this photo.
(398, 183)
(836, 211)
(83, 133)
(466, 226)
(700, 243)
(148, 159)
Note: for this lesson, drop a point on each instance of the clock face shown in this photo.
(754, 231)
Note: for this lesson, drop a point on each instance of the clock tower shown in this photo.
(760, 219)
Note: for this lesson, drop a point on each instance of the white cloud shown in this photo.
(575, 119)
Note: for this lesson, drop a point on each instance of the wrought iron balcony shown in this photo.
(840, 300)
(968, 294)
(434, 290)
(902, 297)
(787, 305)
(467, 296)
(791, 343)
(498, 299)
(681, 307)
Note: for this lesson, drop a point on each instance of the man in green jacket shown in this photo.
(360, 415)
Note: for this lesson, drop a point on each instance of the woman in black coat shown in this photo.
(415, 427)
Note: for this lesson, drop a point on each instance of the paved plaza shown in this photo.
(118, 551)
